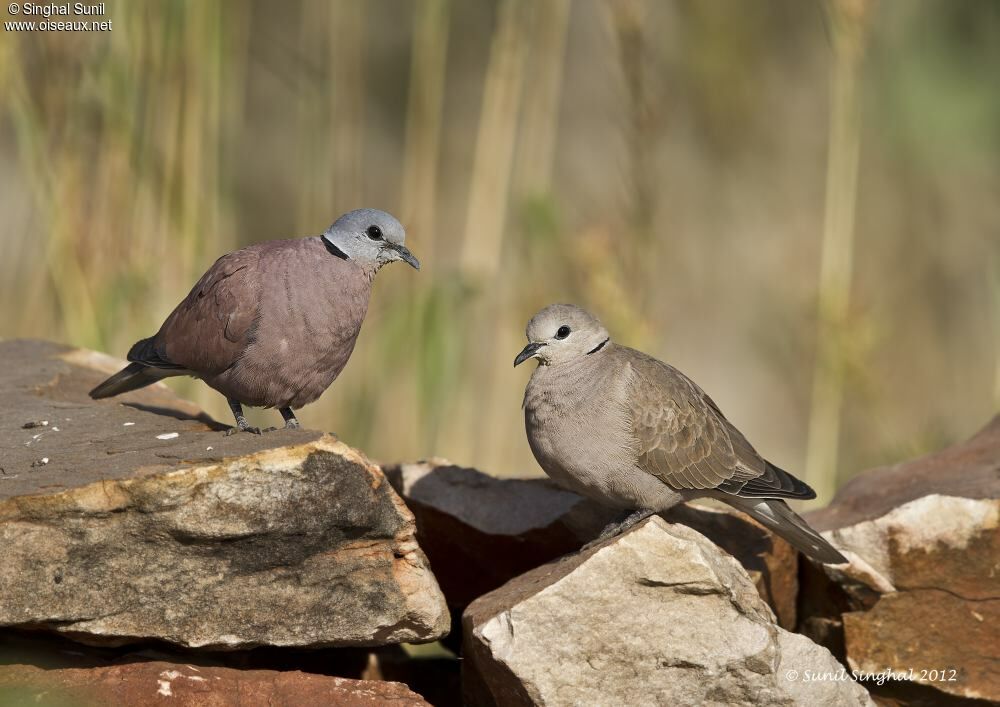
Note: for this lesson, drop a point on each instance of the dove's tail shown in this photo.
(132, 377)
(777, 516)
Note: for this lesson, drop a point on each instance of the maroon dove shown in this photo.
(272, 324)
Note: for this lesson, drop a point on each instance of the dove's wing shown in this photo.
(211, 327)
(683, 439)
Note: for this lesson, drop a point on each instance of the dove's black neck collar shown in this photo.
(334, 250)
(598, 347)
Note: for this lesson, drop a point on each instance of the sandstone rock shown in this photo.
(479, 531)
(771, 562)
(658, 615)
(181, 685)
(166, 529)
(921, 591)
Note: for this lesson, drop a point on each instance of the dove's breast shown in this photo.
(579, 429)
(309, 317)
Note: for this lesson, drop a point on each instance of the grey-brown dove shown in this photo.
(272, 324)
(632, 432)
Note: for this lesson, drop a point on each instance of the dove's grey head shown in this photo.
(369, 237)
(562, 333)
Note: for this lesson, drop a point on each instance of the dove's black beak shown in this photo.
(405, 255)
(527, 352)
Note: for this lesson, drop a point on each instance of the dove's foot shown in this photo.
(617, 527)
(241, 428)
(289, 417)
(241, 422)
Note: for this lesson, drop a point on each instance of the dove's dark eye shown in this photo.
(375, 233)
(563, 332)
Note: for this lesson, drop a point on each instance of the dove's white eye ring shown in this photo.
(374, 232)
(563, 332)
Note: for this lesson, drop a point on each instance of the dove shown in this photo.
(634, 433)
(272, 325)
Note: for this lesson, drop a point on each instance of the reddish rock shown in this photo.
(934, 631)
(921, 590)
(970, 469)
(179, 685)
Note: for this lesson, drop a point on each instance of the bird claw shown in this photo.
(236, 430)
(270, 429)
(617, 527)
(293, 425)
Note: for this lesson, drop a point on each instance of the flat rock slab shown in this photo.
(53, 436)
(921, 592)
(159, 683)
(656, 616)
(201, 540)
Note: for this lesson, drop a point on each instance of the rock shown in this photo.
(658, 615)
(285, 539)
(921, 590)
(970, 469)
(45, 386)
(772, 563)
(180, 685)
(423, 669)
(479, 531)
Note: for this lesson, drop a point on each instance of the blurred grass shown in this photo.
(838, 328)
(675, 166)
